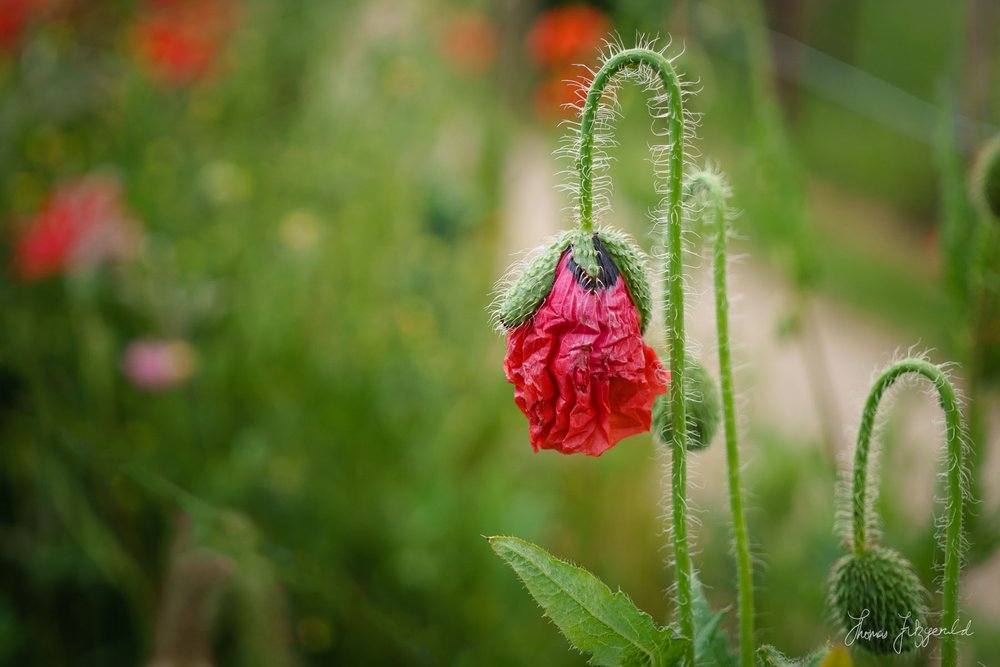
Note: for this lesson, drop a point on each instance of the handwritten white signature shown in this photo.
(911, 628)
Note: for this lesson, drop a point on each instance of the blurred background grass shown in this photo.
(267, 424)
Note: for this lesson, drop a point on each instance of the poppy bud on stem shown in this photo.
(713, 189)
(674, 292)
(850, 583)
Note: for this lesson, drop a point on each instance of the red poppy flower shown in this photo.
(562, 35)
(81, 224)
(178, 41)
(581, 371)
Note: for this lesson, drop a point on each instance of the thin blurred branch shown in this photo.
(195, 576)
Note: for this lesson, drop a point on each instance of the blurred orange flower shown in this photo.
(469, 42)
(567, 34)
(557, 90)
(82, 224)
(560, 38)
(178, 41)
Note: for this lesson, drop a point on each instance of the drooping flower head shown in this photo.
(581, 371)
(83, 223)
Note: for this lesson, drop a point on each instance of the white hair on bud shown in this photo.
(845, 491)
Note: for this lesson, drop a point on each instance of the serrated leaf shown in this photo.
(711, 645)
(768, 656)
(606, 625)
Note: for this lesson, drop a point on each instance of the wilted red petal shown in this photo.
(581, 371)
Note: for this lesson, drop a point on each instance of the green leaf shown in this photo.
(768, 656)
(711, 645)
(606, 625)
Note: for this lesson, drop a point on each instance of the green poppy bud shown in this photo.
(876, 597)
(704, 408)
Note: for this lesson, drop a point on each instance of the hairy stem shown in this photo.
(673, 294)
(956, 497)
(712, 185)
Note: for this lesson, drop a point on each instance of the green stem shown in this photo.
(983, 256)
(716, 205)
(673, 294)
(956, 498)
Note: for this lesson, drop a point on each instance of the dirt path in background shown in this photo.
(771, 373)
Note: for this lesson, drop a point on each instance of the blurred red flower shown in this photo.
(566, 34)
(581, 371)
(556, 94)
(15, 15)
(81, 224)
(469, 42)
(560, 38)
(178, 41)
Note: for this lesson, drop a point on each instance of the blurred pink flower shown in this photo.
(82, 224)
(158, 364)
(178, 41)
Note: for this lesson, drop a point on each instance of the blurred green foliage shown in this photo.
(321, 223)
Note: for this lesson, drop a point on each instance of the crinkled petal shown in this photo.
(581, 371)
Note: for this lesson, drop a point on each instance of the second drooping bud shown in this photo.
(704, 408)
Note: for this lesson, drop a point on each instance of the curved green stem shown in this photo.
(716, 207)
(673, 294)
(956, 497)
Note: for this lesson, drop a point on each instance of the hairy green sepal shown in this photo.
(528, 291)
(631, 262)
(704, 408)
(605, 625)
(882, 583)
